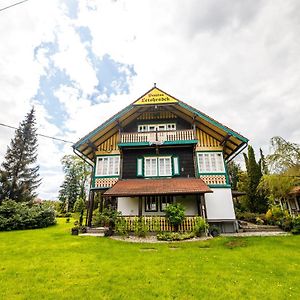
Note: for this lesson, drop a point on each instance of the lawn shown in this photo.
(51, 264)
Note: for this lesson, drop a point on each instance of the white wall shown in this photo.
(128, 206)
(219, 204)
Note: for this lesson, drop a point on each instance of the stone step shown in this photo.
(96, 230)
(260, 228)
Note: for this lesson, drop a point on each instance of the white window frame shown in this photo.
(150, 172)
(155, 127)
(210, 162)
(105, 170)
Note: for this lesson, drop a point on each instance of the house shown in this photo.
(292, 202)
(159, 150)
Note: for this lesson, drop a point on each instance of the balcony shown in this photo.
(169, 137)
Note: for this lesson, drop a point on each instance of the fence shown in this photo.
(155, 224)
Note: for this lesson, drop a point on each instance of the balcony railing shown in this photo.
(158, 137)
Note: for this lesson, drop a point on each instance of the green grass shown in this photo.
(51, 264)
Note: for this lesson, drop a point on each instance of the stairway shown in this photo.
(94, 231)
(250, 227)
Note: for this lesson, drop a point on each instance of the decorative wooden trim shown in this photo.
(105, 182)
(214, 179)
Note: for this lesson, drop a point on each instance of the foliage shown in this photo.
(121, 226)
(175, 214)
(79, 207)
(296, 225)
(85, 268)
(214, 230)
(174, 236)
(14, 215)
(19, 176)
(251, 217)
(256, 202)
(234, 171)
(277, 216)
(75, 182)
(286, 155)
(201, 226)
(107, 217)
(275, 186)
(140, 227)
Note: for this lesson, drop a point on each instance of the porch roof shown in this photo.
(169, 186)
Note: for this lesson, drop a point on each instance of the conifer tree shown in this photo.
(19, 173)
(256, 202)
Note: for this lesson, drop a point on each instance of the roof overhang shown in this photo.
(148, 187)
(231, 141)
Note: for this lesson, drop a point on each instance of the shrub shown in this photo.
(121, 226)
(201, 226)
(140, 227)
(15, 216)
(175, 214)
(251, 217)
(108, 217)
(174, 236)
(214, 230)
(296, 225)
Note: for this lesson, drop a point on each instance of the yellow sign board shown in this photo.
(155, 96)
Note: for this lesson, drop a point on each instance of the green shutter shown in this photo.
(139, 167)
(176, 170)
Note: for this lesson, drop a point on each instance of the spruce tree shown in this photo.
(19, 173)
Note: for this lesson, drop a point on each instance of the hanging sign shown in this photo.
(155, 96)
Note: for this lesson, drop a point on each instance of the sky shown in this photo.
(79, 62)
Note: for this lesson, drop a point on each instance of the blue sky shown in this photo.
(79, 62)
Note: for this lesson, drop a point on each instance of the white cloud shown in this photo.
(236, 61)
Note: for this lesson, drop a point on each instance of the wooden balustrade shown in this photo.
(158, 136)
(158, 223)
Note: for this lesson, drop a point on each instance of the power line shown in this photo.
(43, 135)
(15, 4)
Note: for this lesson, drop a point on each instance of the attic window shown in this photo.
(156, 127)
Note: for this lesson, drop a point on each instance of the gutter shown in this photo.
(237, 153)
(88, 161)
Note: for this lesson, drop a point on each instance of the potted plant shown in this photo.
(75, 230)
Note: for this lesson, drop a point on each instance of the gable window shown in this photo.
(108, 166)
(156, 127)
(158, 166)
(210, 162)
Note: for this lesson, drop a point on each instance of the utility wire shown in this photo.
(43, 135)
(15, 4)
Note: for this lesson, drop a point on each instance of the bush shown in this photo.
(214, 230)
(255, 218)
(296, 225)
(121, 226)
(174, 236)
(107, 218)
(15, 216)
(175, 214)
(140, 227)
(201, 226)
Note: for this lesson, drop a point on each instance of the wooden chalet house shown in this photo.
(159, 150)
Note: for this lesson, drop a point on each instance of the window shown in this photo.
(165, 201)
(156, 127)
(108, 166)
(210, 162)
(151, 166)
(158, 166)
(151, 203)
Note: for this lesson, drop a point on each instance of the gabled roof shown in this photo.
(168, 186)
(155, 96)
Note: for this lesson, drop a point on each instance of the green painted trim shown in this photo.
(106, 123)
(180, 142)
(105, 176)
(134, 144)
(178, 163)
(203, 151)
(101, 155)
(210, 120)
(137, 159)
(219, 185)
(226, 174)
(213, 173)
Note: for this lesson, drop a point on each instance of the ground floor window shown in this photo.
(153, 203)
